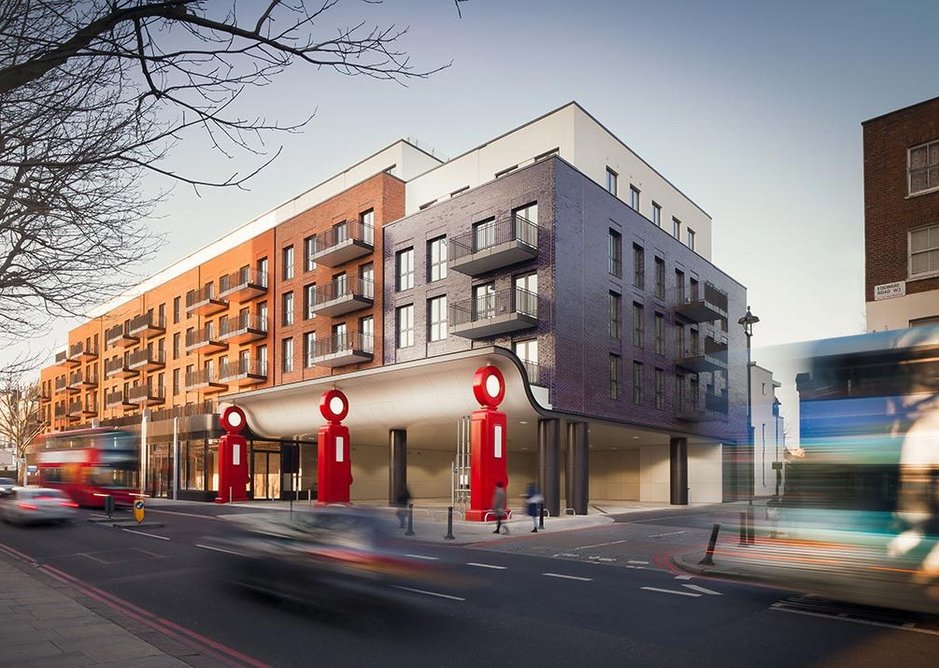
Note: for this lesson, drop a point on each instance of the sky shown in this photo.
(753, 110)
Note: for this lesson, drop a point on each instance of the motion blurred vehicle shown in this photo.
(319, 555)
(37, 505)
(6, 486)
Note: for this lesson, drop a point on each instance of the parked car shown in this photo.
(6, 486)
(35, 505)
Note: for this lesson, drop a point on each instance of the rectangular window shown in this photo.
(616, 253)
(367, 221)
(177, 301)
(484, 235)
(437, 318)
(690, 238)
(309, 348)
(637, 324)
(639, 265)
(614, 376)
(659, 389)
(679, 393)
(676, 228)
(309, 300)
(616, 316)
(634, 197)
(679, 286)
(659, 278)
(288, 308)
(611, 181)
(288, 263)
(175, 382)
(924, 167)
(436, 259)
(680, 340)
(637, 383)
(262, 271)
(287, 355)
(659, 334)
(262, 359)
(404, 318)
(367, 280)
(656, 214)
(404, 269)
(309, 250)
(484, 301)
(176, 338)
(924, 251)
(367, 327)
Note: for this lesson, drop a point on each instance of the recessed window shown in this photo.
(404, 319)
(437, 259)
(309, 349)
(639, 266)
(287, 355)
(924, 251)
(288, 263)
(367, 280)
(676, 228)
(484, 235)
(634, 197)
(616, 253)
(437, 318)
(614, 376)
(404, 269)
(484, 301)
(656, 214)
(288, 308)
(637, 383)
(611, 177)
(659, 278)
(309, 250)
(638, 328)
(659, 389)
(367, 327)
(924, 167)
(690, 238)
(367, 223)
(616, 316)
(309, 300)
(659, 334)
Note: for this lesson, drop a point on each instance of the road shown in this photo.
(603, 596)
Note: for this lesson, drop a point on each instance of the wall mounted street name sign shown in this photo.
(889, 290)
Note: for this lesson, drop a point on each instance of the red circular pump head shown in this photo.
(233, 420)
(489, 386)
(334, 406)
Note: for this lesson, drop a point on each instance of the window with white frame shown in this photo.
(309, 250)
(404, 319)
(923, 164)
(527, 352)
(634, 197)
(611, 177)
(367, 219)
(690, 238)
(437, 318)
(309, 348)
(404, 269)
(437, 259)
(676, 228)
(288, 263)
(484, 234)
(656, 214)
(288, 308)
(287, 355)
(484, 301)
(924, 251)
(309, 301)
(367, 327)
(367, 279)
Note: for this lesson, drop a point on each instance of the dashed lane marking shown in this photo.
(671, 591)
(636, 561)
(493, 566)
(568, 577)
(144, 533)
(703, 590)
(615, 542)
(429, 593)
(683, 577)
(422, 556)
(670, 533)
(217, 549)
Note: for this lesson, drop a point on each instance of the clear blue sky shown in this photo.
(752, 109)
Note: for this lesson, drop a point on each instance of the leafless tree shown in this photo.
(20, 421)
(93, 93)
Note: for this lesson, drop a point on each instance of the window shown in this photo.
(610, 181)
(287, 355)
(340, 285)
(924, 167)
(680, 340)
(616, 253)
(262, 314)
(634, 197)
(484, 234)
(616, 316)
(404, 269)
(176, 338)
(288, 263)
(690, 238)
(614, 376)
(309, 348)
(525, 221)
(340, 232)
(309, 301)
(637, 324)
(262, 359)
(659, 278)
(288, 308)
(404, 317)
(637, 383)
(639, 265)
(484, 301)
(309, 251)
(367, 280)
(176, 309)
(367, 221)
(526, 294)
(676, 228)
(694, 289)
(679, 393)
(437, 318)
(656, 214)
(437, 259)
(367, 327)
(659, 334)
(262, 271)
(924, 250)
(161, 316)
(175, 382)
(680, 286)
(659, 391)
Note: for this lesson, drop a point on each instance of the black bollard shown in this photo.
(541, 516)
(410, 531)
(750, 537)
(109, 505)
(449, 535)
(743, 529)
(709, 555)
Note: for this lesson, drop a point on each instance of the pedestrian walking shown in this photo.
(498, 507)
(533, 500)
(404, 498)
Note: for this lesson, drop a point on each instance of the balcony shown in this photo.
(702, 305)
(146, 360)
(119, 367)
(243, 329)
(490, 246)
(344, 295)
(537, 374)
(60, 384)
(243, 373)
(204, 302)
(344, 349)
(44, 395)
(708, 354)
(709, 407)
(62, 359)
(89, 411)
(78, 380)
(147, 324)
(206, 380)
(60, 412)
(74, 410)
(494, 314)
(243, 285)
(79, 352)
(144, 395)
(117, 399)
(343, 243)
(119, 337)
(204, 340)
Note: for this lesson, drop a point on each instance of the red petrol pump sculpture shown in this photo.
(488, 464)
(334, 473)
(232, 458)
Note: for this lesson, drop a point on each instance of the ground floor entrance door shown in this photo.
(265, 472)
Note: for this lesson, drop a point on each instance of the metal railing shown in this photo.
(203, 377)
(145, 391)
(202, 295)
(244, 322)
(493, 304)
(146, 356)
(244, 277)
(201, 335)
(115, 398)
(494, 233)
(341, 342)
(346, 286)
(235, 369)
(537, 374)
(148, 320)
(351, 229)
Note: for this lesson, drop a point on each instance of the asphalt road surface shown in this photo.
(604, 596)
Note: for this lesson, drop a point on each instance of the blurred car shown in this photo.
(321, 554)
(36, 505)
(6, 486)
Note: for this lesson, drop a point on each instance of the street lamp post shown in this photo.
(748, 321)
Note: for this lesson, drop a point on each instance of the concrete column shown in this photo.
(397, 463)
(578, 467)
(678, 471)
(549, 470)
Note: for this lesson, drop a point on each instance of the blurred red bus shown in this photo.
(88, 464)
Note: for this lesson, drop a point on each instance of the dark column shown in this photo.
(578, 467)
(549, 470)
(397, 463)
(678, 471)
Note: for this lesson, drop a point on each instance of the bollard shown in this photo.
(449, 535)
(709, 554)
(743, 530)
(109, 505)
(410, 531)
(541, 516)
(750, 532)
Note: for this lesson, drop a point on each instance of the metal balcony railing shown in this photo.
(494, 313)
(344, 242)
(243, 371)
(706, 303)
(118, 335)
(246, 283)
(205, 337)
(493, 245)
(537, 374)
(146, 358)
(148, 323)
(204, 301)
(246, 325)
(204, 379)
(145, 394)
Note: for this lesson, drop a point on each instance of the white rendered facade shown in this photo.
(769, 441)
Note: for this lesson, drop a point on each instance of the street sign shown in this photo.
(138, 510)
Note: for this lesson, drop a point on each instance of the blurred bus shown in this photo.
(88, 464)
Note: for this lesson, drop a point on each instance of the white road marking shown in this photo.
(599, 558)
(615, 542)
(493, 566)
(568, 577)
(429, 593)
(703, 590)
(217, 549)
(671, 591)
(144, 533)
(636, 561)
(421, 556)
(683, 577)
(780, 607)
(670, 533)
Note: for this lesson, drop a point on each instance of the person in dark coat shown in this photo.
(533, 501)
(404, 498)
(498, 507)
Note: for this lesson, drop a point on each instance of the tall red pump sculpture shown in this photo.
(488, 462)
